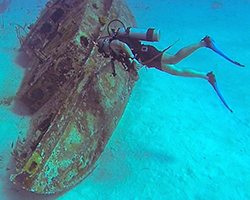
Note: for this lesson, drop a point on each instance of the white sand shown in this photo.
(176, 139)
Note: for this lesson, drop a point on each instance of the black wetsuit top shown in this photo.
(144, 52)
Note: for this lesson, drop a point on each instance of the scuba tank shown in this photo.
(150, 34)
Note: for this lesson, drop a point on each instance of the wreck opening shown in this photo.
(46, 28)
(24, 155)
(84, 41)
(42, 128)
(46, 123)
(65, 65)
(33, 166)
(69, 3)
(58, 14)
(22, 178)
(37, 94)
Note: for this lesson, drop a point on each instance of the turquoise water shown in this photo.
(176, 140)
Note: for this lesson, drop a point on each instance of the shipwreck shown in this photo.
(68, 89)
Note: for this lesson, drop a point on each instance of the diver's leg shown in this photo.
(174, 70)
(183, 53)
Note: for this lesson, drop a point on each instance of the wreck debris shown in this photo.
(6, 101)
(19, 29)
(2, 22)
(4, 5)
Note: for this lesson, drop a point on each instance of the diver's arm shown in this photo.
(120, 47)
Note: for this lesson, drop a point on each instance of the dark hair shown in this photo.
(100, 46)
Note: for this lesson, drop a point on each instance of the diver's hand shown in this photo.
(136, 64)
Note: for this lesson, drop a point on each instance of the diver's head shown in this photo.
(101, 42)
(103, 46)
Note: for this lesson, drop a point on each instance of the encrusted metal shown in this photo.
(69, 90)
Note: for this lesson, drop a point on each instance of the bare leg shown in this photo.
(168, 61)
(174, 70)
(183, 53)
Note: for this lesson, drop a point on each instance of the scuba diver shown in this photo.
(125, 46)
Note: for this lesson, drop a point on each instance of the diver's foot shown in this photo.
(208, 42)
(211, 78)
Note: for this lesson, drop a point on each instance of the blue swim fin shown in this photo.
(212, 81)
(210, 43)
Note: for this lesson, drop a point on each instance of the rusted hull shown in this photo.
(69, 89)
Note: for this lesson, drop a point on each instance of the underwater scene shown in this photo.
(124, 99)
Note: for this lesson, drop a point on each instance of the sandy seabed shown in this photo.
(176, 140)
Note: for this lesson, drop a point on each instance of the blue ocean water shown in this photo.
(176, 140)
